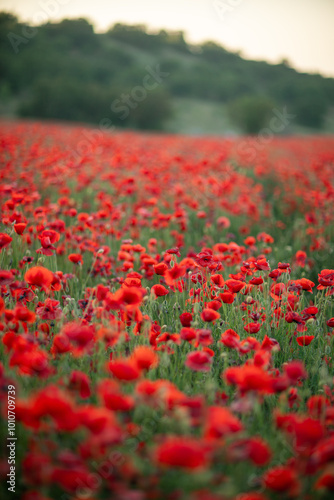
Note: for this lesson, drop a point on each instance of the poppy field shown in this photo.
(166, 315)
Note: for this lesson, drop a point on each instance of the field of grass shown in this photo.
(166, 315)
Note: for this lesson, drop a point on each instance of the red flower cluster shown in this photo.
(160, 346)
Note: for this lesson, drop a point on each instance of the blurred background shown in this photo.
(226, 69)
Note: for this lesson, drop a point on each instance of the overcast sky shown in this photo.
(300, 30)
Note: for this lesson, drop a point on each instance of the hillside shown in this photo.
(128, 77)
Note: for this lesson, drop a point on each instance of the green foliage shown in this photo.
(311, 105)
(153, 111)
(66, 99)
(89, 66)
(251, 113)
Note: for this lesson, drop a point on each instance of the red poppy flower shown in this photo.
(301, 284)
(262, 264)
(204, 338)
(79, 334)
(217, 280)
(249, 378)
(159, 290)
(330, 322)
(60, 344)
(304, 340)
(209, 315)
(5, 240)
(325, 278)
(68, 478)
(227, 297)
(182, 452)
(24, 314)
(235, 285)
(127, 298)
(252, 327)
(112, 397)
(282, 479)
(39, 276)
(160, 268)
(316, 405)
(214, 304)
(301, 258)
(173, 251)
(6, 277)
(173, 274)
(186, 319)
(223, 222)
(254, 449)
(199, 361)
(132, 281)
(49, 309)
(205, 258)
(251, 496)
(188, 333)
(221, 422)
(75, 258)
(295, 370)
(124, 369)
(144, 357)
(277, 290)
(20, 227)
(325, 481)
(258, 280)
(80, 381)
(250, 241)
(230, 338)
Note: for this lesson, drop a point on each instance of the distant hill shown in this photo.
(128, 77)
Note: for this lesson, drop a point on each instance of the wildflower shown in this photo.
(159, 291)
(20, 227)
(160, 268)
(5, 240)
(282, 479)
(209, 315)
(145, 358)
(39, 276)
(304, 340)
(182, 452)
(199, 361)
(235, 285)
(124, 369)
(49, 309)
(80, 381)
(186, 319)
(221, 422)
(75, 258)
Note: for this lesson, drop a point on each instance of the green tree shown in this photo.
(251, 113)
(151, 113)
(310, 105)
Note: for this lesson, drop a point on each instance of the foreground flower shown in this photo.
(49, 310)
(5, 240)
(209, 315)
(304, 340)
(199, 361)
(282, 479)
(181, 452)
(159, 290)
(75, 258)
(19, 228)
(124, 369)
(221, 422)
(145, 358)
(39, 276)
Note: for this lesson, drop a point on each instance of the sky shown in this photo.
(301, 31)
